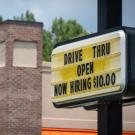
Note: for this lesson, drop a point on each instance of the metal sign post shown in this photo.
(109, 114)
(97, 71)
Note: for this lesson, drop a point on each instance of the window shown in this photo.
(2, 54)
(24, 54)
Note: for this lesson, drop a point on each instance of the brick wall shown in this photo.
(20, 87)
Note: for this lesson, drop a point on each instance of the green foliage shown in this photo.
(27, 16)
(47, 45)
(1, 18)
(60, 31)
(66, 30)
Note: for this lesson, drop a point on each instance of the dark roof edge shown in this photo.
(22, 23)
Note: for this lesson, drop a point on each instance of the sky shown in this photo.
(84, 11)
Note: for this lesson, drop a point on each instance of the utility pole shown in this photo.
(110, 112)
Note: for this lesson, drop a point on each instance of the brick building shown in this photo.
(20, 78)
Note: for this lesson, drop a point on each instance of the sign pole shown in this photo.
(110, 118)
(109, 114)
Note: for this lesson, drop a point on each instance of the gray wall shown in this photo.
(73, 118)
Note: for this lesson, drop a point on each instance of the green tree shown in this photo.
(1, 18)
(61, 31)
(66, 30)
(47, 45)
(27, 16)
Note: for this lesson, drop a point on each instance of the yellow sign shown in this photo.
(89, 68)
